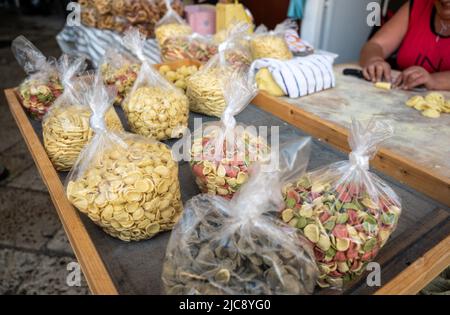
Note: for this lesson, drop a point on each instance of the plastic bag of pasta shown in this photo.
(265, 44)
(171, 25)
(119, 70)
(65, 127)
(239, 246)
(205, 87)
(222, 152)
(42, 86)
(125, 183)
(194, 46)
(154, 107)
(344, 209)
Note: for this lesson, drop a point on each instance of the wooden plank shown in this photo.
(415, 277)
(399, 167)
(92, 265)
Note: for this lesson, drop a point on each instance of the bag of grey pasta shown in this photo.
(42, 86)
(272, 44)
(205, 87)
(171, 25)
(65, 127)
(238, 246)
(125, 183)
(154, 107)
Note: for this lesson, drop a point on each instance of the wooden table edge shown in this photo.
(399, 167)
(421, 272)
(97, 276)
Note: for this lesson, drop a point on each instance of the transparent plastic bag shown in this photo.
(222, 152)
(127, 184)
(42, 85)
(238, 246)
(154, 107)
(344, 209)
(178, 75)
(65, 127)
(171, 25)
(205, 88)
(194, 46)
(119, 70)
(265, 44)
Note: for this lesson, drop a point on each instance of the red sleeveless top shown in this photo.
(420, 47)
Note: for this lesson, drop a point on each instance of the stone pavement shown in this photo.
(34, 251)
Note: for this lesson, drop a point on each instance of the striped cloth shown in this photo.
(93, 42)
(301, 76)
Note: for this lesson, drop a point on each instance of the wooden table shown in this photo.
(415, 254)
(419, 152)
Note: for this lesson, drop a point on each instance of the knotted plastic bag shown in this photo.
(205, 88)
(154, 107)
(170, 25)
(65, 127)
(222, 152)
(119, 70)
(239, 246)
(125, 183)
(194, 46)
(272, 44)
(344, 209)
(42, 86)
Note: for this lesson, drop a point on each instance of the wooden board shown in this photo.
(92, 265)
(419, 152)
(112, 266)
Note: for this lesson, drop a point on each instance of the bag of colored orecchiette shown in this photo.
(194, 46)
(127, 184)
(239, 246)
(205, 87)
(154, 107)
(119, 70)
(223, 151)
(42, 86)
(171, 25)
(272, 44)
(344, 209)
(65, 127)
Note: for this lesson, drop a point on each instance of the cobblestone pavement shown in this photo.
(34, 251)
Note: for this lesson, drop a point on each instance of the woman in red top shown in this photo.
(420, 31)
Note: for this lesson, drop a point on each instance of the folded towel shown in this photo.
(300, 76)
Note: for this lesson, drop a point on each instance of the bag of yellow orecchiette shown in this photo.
(205, 87)
(127, 184)
(154, 107)
(65, 127)
(272, 44)
(171, 25)
(239, 246)
(223, 151)
(346, 211)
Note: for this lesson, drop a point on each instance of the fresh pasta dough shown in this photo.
(432, 105)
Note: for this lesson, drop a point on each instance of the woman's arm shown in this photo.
(383, 44)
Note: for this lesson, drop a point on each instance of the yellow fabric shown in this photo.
(266, 83)
(228, 13)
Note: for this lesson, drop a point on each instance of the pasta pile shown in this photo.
(431, 105)
(166, 31)
(270, 46)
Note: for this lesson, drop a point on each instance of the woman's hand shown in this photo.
(413, 77)
(376, 70)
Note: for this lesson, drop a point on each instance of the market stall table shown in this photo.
(416, 253)
(419, 152)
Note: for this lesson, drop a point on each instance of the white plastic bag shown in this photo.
(65, 127)
(238, 246)
(154, 107)
(205, 88)
(272, 44)
(170, 25)
(222, 152)
(344, 209)
(127, 184)
(42, 86)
